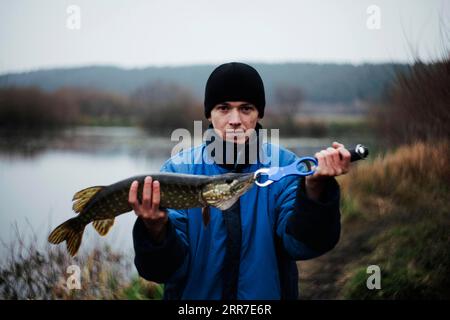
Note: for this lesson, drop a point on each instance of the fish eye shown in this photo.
(228, 181)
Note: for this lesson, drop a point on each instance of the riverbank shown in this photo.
(394, 215)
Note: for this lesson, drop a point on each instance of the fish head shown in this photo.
(224, 190)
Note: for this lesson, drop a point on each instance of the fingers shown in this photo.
(324, 168)
(132, 196)
(337, 145)
(156, 196)
(322, 163)
(333, 161)
(344, 154)
(151, 197)
(147, 193)
(345, 159)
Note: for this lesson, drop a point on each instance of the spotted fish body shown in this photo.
(101, 204)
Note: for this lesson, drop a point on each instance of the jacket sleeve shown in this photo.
(157, 261)
(166, 261)
(308, 228)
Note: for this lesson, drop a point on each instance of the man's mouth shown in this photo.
(232, 132)
(235, 135)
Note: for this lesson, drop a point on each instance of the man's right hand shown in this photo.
(154, 219)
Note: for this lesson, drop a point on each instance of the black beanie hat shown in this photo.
(234, 81)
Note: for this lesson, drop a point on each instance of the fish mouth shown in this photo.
(244, 182)
(224, 193)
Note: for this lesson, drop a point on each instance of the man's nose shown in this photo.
(235, 118)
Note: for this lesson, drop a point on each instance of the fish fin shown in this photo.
(226, 204)
(206, 215)
(103, 226)
(73, 242)
(83, 196)
(72, 232)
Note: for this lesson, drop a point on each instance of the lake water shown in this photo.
(39, 175)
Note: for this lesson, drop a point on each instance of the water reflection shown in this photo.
(105, 140)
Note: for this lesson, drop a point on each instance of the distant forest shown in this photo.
(318, 83)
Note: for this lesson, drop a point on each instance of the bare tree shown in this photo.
(164, 106)
(288, 99)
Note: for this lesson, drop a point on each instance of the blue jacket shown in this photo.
(280, 225)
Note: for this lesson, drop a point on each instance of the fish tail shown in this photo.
(72, 232)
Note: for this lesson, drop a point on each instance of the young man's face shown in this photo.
(232, 120)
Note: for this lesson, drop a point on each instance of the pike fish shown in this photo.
(101, 204)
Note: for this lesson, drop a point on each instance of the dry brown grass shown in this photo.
(31, 272)
(402, 175)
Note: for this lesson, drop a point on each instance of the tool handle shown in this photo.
(359, 152)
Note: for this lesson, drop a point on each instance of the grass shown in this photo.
(395, 214)
(32, 273)
(397, 208)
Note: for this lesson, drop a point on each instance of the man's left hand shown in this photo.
(332, 162)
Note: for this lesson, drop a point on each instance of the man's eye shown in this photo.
(246, 109)
(222, 108)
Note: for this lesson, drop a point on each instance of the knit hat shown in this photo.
(234, 81)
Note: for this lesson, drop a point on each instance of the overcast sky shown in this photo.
(139, 33)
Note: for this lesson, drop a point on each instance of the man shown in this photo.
(249, 250)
